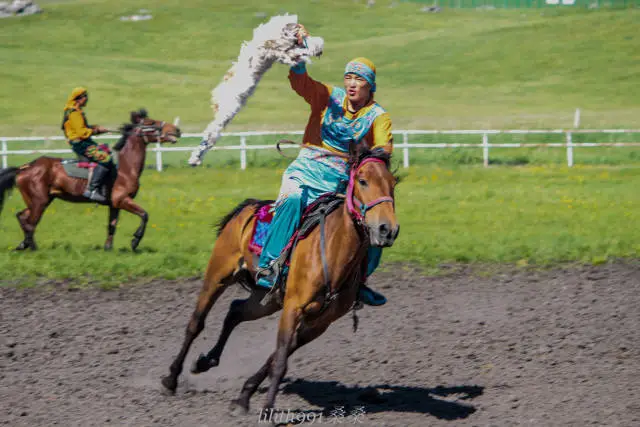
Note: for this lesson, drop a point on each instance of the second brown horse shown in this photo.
(311, 302)
(44, 180)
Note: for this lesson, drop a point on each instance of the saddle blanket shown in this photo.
(324, 205)
(80, 167)
(264, 216)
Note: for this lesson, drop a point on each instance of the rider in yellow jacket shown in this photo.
(79, 133)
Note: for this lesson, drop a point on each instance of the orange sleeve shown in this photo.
(315, 93)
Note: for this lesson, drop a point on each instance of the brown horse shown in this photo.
(45, 179)
(326, 270)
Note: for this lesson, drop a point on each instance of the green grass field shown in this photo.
(534, 215)
(458, 69)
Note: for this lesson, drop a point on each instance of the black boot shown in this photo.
(100, 173)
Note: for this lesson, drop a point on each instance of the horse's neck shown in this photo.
(351, 242)
(132, 156)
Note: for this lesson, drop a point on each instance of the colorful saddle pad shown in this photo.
(310, 219)
(264, 216)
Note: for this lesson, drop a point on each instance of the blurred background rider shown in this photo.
(78, 132)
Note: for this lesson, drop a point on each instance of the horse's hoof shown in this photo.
(203, 364)
(108, 247)
(134, 244)
(238, 408)
(170, 384)
(22, 246)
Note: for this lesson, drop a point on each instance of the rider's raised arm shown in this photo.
(380, 135)
(314, 92)
(76, 127)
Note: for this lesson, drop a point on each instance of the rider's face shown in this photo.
(357, 88)
(83, 101)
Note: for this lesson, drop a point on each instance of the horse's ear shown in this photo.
(138, 116)
(356, 152)
(353, 152)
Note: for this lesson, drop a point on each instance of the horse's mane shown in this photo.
(247, 202)
(363, 152)
(127, 128)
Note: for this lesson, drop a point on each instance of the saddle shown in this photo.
(313, 216)
(310, 219)
(82, 167)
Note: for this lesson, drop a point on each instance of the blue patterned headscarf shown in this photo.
(364, 68)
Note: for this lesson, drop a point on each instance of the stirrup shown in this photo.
(271, 272)
(94, 195)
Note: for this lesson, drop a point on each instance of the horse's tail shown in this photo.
(247, 202)
(7, 182)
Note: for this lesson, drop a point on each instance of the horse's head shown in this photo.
(370, 195)
(154, 130)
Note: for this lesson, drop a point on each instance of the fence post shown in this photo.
(243, 152)
(405, 150)
(485, 149)
(569, 150)
(158, 158)
(4, 154)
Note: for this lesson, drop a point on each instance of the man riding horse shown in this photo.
(78, 133)
(339, 118)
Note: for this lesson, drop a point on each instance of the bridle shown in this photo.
(142, 131)
(356, 208)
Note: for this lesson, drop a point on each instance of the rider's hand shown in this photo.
(99, 129)
(302, 33)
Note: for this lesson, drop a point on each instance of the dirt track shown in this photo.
(551, 348)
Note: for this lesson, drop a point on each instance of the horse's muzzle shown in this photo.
(171, 137)
(383, 235)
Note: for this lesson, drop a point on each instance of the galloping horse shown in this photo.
(326, 269)
(45, 179)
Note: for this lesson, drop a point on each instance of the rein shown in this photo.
(358, 215)
(357, 208)
(285, 141)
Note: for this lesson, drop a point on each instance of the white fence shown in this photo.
(483, 135)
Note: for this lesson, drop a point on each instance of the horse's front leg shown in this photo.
(218, 277)
(111, 227)
(289, 323)
(239, 311)
(304, 335)
(130, 206)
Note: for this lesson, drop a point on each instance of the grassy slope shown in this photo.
(455, 69)
(528, 215)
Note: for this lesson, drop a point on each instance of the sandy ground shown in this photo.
(515, 347)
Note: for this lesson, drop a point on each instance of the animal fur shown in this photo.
(275, 41)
